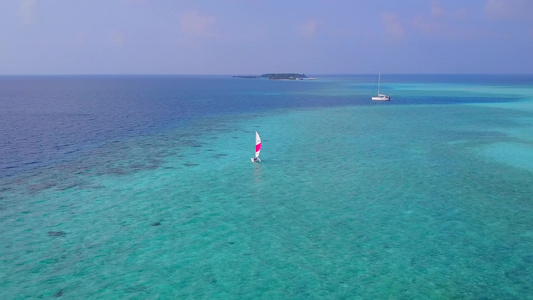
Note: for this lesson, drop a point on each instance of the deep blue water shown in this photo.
(48, 118)
(45, 119)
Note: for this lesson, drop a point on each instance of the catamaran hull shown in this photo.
(380, 98)
(255, 159)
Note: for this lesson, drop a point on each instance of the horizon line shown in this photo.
(248, 74)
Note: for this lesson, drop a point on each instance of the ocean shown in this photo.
(141, 187)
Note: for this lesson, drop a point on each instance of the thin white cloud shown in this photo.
(309, 28)
(394, 29)
(508, 9)
(461, 14)
(117, 38)
(439, 23)
(194, 24)
(26, 10)
(135, 2)
(436, 9)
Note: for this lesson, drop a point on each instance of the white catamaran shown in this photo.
(380, 97)
(257, 148)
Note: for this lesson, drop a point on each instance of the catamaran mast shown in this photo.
(379, 82)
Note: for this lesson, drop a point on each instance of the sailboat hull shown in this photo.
(381, 98)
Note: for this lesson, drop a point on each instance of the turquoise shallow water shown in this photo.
(355, 202)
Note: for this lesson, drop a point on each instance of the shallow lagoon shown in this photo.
(407, 199)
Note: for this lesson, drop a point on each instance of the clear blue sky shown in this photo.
(259, 36)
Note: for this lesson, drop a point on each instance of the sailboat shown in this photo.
(380, 97)
(257, 148)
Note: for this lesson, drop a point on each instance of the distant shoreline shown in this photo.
(277, 76)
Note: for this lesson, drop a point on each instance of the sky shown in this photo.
(248, 37)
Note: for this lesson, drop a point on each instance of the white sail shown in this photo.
(380, 97)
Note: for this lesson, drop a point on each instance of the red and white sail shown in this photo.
(257, 144)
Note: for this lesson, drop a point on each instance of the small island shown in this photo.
(284, 76)
(277, 76)
(245, 76)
